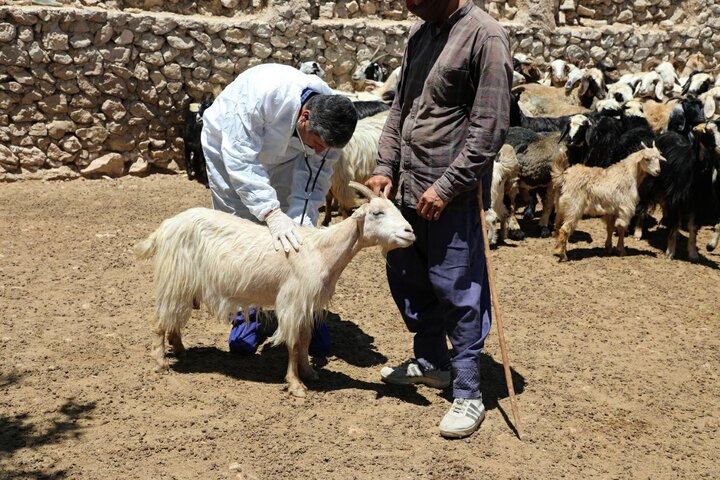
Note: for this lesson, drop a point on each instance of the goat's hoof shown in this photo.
(710, 247)
(162, 366)
(298, 390)
(622, 252)
(528, 214)
(545, 232)
(516, 235)
(694, 257)
(637, 236)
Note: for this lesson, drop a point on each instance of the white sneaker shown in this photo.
(411, 372)
(463, 418)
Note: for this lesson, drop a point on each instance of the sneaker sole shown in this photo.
(462, 433)
(415, 380)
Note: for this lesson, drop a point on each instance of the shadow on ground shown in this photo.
(21, 431)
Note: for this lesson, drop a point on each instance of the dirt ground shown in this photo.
(615, 361)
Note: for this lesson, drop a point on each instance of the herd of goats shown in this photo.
(588, 141)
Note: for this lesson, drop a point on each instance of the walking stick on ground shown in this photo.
(498, 316)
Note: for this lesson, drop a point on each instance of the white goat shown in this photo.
(609, 192)
(668, 75)
(311, 68)
(620, 92)
(227, 262)
(559, 71)
(711, 103)
(506, 170)
(356, 163)
(651, 86)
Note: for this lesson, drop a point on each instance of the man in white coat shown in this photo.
(270, 140)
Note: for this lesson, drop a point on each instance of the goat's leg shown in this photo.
(562, 238)
(639, 223)
(175, 341)
(610, 228)
(306, 371)
(514, 230)
(295, 385)
(621, 240)
(693, 254)
(671, 242)
(713, 243)
(548, 204)
(158, 348)
(328, 209)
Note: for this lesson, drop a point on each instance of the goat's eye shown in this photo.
(378, 213)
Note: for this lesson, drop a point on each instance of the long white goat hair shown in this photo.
(212, 257)
(357, 160)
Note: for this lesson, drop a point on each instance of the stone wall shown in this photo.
(79, 84)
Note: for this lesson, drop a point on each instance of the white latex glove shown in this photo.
(283, 231)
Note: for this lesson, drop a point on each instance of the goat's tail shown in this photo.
(147, 248)
(560, 164)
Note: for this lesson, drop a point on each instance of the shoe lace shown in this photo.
(460, 406)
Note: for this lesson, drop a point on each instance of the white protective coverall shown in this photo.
(254, 163)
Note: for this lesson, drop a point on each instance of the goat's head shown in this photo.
(577, 131)
(383, 224)
(592, 85)
(311, 68)
(634, 108)
(686, 114)
(559, 71)
(711, 102)
(651, 86)
(609, 106)
(698, 83)
(620, 92)
(709, 135)
(370, 70)
(650, 158)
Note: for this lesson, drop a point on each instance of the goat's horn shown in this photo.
(372, 57)
(363, 189)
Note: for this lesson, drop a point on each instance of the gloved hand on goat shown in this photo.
(283, 230)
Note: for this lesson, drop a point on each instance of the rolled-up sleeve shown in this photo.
(489, 120)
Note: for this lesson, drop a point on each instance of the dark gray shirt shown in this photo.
(451, 114)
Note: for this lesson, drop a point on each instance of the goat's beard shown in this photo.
(432, 11)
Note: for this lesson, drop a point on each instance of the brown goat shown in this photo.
(608, 192)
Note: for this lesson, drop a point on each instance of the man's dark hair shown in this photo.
(332, 118)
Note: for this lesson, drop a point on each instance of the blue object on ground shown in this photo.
(244, 336)
(320, 344)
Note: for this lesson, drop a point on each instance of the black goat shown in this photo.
(368, 108)
(194, 157)
(686, 115)
(684, 190)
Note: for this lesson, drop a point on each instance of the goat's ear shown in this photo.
(660, 89)
(709, 107)
(365, 191)
(565, 132)
(584, 86)
(589, 133)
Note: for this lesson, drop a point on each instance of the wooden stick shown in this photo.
(498, 316)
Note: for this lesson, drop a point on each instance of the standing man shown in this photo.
(270, 140)
(445, 128)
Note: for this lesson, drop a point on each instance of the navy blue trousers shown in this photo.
(440, 285)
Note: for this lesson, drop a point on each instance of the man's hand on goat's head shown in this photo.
(430, 205)
(283, 230)
(380, 183)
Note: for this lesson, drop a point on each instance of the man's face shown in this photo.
(310, 139)
(432, 11)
